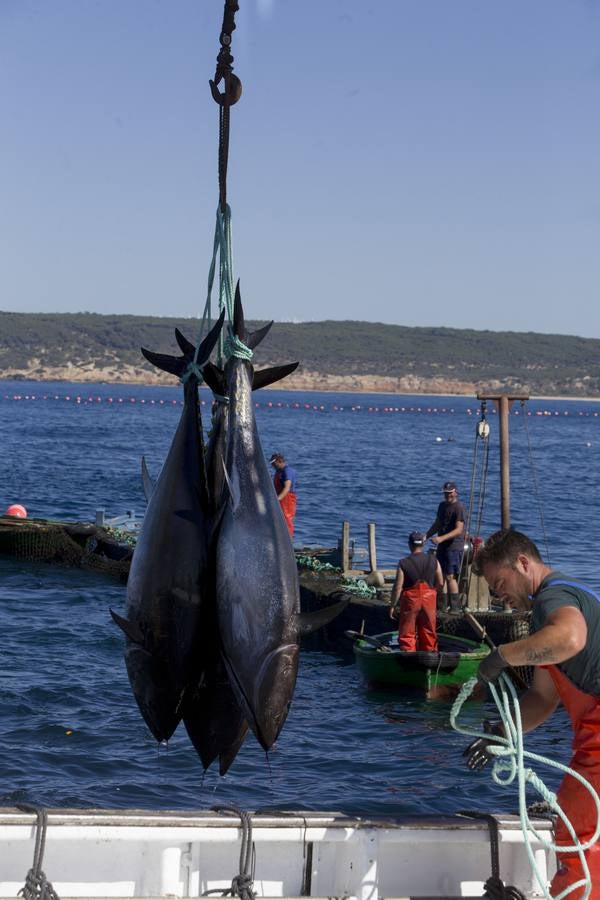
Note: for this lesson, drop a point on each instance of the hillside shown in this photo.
(334, 355)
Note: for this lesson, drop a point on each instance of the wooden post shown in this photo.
(503, 403)
(345, 546)
(372, 548)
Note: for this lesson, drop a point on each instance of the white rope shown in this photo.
(509, 764)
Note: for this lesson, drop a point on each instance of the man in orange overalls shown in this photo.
(284, 481)
(414, 596)
(564, 648)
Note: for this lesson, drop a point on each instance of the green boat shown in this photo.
(439, 675)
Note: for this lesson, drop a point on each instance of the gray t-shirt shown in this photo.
(583, 669)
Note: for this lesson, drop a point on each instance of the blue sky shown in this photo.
(432, 162)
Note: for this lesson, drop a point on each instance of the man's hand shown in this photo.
(477, 755)
(393, 612)
(491, 667)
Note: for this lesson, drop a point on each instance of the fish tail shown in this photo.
(178, 365)
(252, 338)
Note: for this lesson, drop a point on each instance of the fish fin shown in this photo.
(174, 364)
(185, 346)
(239, 327)
(177, 365)
(263, 377)
(254, 338)
(130, 630)
(147, 482)
(309, 622)
(215, 378)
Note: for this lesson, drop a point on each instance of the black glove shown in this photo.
(476, 754)
(491, 667)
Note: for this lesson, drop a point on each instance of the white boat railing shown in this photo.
(128, 853)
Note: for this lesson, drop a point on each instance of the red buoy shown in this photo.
(16, 510)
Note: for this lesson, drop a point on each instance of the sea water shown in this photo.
(70, 731)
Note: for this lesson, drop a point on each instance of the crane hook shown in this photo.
(232, 92)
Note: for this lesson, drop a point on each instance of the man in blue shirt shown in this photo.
(284, 481)
(449, 528)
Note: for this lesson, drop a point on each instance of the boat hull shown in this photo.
(437, 675)
(136, 853)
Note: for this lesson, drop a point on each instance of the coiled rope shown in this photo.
(37, 886)
(509, 764)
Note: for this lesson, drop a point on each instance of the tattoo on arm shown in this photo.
(543, 655)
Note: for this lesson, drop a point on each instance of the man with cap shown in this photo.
(285, 488)
(414, 594)
(449, 528)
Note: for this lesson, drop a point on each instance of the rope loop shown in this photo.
(193, 370)
(241, 884)
(235, 347)
(37, 886)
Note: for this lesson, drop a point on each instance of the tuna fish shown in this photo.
(169, 577)
(212, 715)
(257, 591)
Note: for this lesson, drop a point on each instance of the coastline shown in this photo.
(303, 382)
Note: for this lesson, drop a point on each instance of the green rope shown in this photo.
(509, 764)
(311, 562)
(193, 369)
(222, 246)
(349, 583)
(235, 347)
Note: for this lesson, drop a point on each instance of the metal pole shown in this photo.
(504, 406)
(503, 403)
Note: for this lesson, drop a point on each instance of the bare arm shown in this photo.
(285, 490)
(540, 701)
(439, 578)
(562, 637)
(397, 589)
(460, 527)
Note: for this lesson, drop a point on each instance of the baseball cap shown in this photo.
(274, 457)
(416, 538)
(448, 486)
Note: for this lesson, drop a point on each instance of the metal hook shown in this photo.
(232, 93)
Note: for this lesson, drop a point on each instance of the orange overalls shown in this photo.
(417, 604)
(573, 798)
(287, 503)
